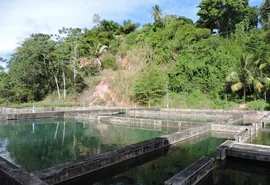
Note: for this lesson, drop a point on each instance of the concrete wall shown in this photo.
(13, 175)
(5, 110)
(33, 115)
(139, 121)
(228, 128)
(73, 113)
(219, 113)
(243, 151)
(75, 169)
(168, 113)
(243, 136)
(230, 120)
(249, 151)
(192, 174)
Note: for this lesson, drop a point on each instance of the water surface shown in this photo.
(235, 171)
(158, 166)
(263, 138)
(39, 144)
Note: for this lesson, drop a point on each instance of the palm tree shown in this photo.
(246, 75)
(261, 80)
(157, 13)
(97, 50)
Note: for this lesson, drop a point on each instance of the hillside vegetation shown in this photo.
(218, 62)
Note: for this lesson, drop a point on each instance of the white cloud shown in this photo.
(20, 18)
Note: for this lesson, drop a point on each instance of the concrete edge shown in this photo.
(17, 175)
(193, 173)
(75, 169)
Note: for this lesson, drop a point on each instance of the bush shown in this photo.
(150, 86)
(91, 69)
(109, 62)
(258, 105)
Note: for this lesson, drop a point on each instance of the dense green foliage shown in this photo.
(224, 15)
(151, 86)
(230, 66)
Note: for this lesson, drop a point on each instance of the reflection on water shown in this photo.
(157, 167)
(263, 138)
(235, 171)
(51, 142)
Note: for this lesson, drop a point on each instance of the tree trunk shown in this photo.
(244, 89)
(74, 72)
(58, 91)
(265, 98)
(64, 80)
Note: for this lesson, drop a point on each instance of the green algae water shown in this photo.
(263, 138)
(42, 143)
(157, 167)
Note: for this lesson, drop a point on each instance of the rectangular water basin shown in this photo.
(155, 167)
(42, 143)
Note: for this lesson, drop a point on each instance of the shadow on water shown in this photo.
(235, 171)
(155, 167)
(119, 168)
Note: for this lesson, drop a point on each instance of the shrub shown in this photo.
(258, 105)
(150, 86)
(109, 62)
(91, 69)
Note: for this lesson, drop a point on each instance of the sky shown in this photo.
(20, 18)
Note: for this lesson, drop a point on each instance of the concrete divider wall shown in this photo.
(16, 116)
(242, 136)
(228, 128)
(6, 110)
(172, 114)
(199, 114)
(90, 113)
(192, 174)
(78, 168)
(249, 151)
(243, 151)
(3, 117)
(220, 113)
(230, 120)
(138, 121)
(13, 175)
(33, 115)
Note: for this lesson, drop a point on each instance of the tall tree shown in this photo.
(128, 27)
(265, 14)
(156, 13)
(248, 76)
(29, 68)
(96, 20)
(224, 15)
